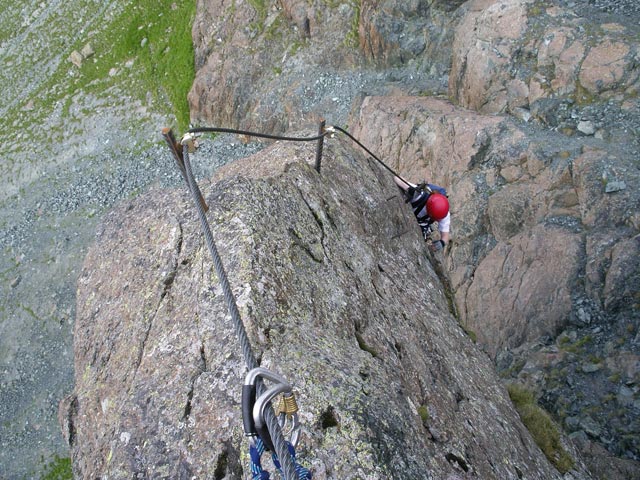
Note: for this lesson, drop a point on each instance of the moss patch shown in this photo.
(143, 49)
(155, 37)
(58, 469)
(576, 347)
(352, 38)
(472, 335)
(423, 411)
(542, 428)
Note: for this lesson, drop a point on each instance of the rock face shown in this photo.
(518, 241)
(543, 259)
(337, 294)
(527, 113)
(294, 61)
(230, 69)
(509, 54)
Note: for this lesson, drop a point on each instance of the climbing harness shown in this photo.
(265, 428)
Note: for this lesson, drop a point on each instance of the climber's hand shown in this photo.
(437, 245)
(408, 194)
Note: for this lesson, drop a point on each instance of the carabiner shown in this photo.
(253, 409)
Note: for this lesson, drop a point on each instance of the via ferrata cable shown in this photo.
(289, 466)
(327, 131)
(256, 134)
(354, 139)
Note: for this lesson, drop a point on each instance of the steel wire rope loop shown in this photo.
(279, 442)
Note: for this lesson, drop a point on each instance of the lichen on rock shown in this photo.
(159, 370)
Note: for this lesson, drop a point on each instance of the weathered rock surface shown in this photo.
(259, 68)
(337, 293)
(518, 53)
(539, 248)
(543, 266)
(393, 32)
(561, 63)
(297, 61)
(505, 264)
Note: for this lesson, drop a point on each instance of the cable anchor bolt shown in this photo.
(331, 130)
(191, 141)
(287, 412)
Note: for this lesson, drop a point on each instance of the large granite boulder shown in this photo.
(337, 292)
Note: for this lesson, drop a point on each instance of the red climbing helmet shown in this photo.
(437, 206)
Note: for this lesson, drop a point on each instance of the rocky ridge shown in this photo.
(319, 265)
(61, 210)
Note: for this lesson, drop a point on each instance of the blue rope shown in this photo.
(255, 452)
(258, 473)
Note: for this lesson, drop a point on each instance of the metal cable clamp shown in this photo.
(191, 141)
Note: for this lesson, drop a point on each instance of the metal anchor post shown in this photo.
(176, 150)
(320, 145)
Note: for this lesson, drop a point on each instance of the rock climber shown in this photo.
(429, 204)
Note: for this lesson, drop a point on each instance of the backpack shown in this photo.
(435, 188)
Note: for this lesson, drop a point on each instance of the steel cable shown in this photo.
(297, 139)
(255, 134)
(371, 153)
(271, 421)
